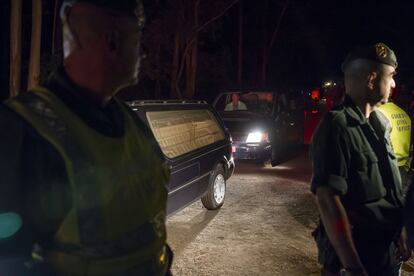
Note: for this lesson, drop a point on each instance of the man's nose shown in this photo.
(393, 84)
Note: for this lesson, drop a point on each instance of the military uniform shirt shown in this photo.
(353, 156)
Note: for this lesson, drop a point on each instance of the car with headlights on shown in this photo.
(264, 125)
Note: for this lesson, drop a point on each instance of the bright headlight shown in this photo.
(257, 137)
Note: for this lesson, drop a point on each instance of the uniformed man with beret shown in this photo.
(83, 189)
(355, 174)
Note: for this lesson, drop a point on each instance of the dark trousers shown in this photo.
(378, 258)
(376, 251)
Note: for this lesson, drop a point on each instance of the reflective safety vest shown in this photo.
(400, 135)
(118, 188)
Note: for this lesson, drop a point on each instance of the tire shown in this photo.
(265, 163)
(276, 157)
(214, 198)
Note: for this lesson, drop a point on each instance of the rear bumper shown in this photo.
(244, 151)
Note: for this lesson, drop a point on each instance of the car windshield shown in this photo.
(258, 102)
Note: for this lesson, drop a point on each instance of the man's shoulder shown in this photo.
(13, 125)
(9, 117)
(24, 97)
(337, 117)
(334, 123)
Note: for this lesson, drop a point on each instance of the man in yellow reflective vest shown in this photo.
(83, 188)
(398, 125)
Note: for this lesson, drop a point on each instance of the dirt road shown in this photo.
(263, 228)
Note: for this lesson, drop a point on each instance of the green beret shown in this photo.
(129, 7)
(378, 52)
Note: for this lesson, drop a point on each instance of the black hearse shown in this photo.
(196, 146)
(264, 125)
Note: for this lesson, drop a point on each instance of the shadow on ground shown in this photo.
(296, 166)
(304, 210)
(184, 235)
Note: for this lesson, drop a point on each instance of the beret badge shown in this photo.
(381, 51)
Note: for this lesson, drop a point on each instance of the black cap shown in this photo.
(378, 52)
(129, 7)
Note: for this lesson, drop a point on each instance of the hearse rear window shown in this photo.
(182, 131)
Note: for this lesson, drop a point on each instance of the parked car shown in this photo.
(196, 146)
(264, 125)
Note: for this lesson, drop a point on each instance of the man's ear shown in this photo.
(70, 39)
(371, 79)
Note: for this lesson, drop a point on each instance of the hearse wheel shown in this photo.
(214, 198)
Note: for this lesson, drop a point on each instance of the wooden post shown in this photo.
(34, 65)
(15, 46)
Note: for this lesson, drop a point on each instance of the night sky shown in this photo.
(313, 39)
(315, 36)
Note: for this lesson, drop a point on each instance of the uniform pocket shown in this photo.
(369, 185)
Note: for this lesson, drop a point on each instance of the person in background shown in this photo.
(83, 188)
(355, 174)
(235, 103)
(398, 125)
(266, 105)
(411, 105)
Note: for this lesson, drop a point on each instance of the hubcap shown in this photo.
(219, 188)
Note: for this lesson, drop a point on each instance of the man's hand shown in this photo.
(403, 252)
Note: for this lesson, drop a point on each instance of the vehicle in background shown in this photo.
(266, 125)
(314, 110)
(318, 102)
(197, 149)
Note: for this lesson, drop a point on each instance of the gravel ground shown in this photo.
(264, 227)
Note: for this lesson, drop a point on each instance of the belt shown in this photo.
(134, 263)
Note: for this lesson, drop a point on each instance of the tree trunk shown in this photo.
(34, 65)
(15, 46)
(268, 46)
(175, 93)
(190, 49)
(157, 90)
(240, 48)
(192, 60)
(265, 55)
(191, 71)
(187, 73)
(194, 67)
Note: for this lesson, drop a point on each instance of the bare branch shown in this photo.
(279, 21)
(193, 39)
